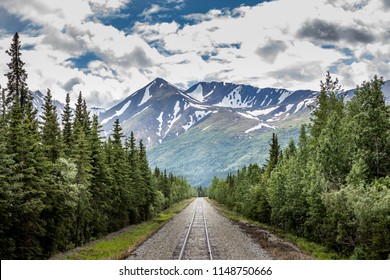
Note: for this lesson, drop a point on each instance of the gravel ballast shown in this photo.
(228, 241)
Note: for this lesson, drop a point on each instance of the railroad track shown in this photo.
(196, 243)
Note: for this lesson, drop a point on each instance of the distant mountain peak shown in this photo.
(160, 81)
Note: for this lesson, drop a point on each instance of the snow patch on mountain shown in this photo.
(144, 109)
(264, 111)
(260, 126)
(247, 115)
(262, 103)
(299, 106)
(198, 116)
(234, 100)
(197, 94)
(197, 106)
(117, 113)
(210, 93)
(284, 95)
(175, 118)
(279, 114)
(289, 106)
(146, 96)
(207, 127)
(189, 124)
(160, 119)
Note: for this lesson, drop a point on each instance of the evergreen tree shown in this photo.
(368, 128)
(123, 210)
(274, 154)
(328, 100)
(6, 196)
(146, 183)
(51, 133)
(135, 172)
(67, 125)
(100, 181)
(290, 150)
(54, 201)
(29, 180)
(17, 76)
(81, 156)
(87, 122)
(79, 112)
(3, 105)
(82, 114)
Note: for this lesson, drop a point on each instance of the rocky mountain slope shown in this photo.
(212, 128)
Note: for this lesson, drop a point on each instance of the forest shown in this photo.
(333, 186)
(63, 185)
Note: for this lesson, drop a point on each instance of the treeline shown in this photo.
(333, 187)
(62, 186)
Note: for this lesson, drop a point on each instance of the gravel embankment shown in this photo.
(228, 241)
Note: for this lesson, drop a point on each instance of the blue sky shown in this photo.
(167, 11)
(110, 48)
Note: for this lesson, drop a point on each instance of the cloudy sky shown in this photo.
(109, 48)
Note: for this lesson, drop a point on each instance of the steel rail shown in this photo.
(207, 235)
(188, 233)
(183, 248)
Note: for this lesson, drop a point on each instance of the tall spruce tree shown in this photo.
(122, 207)
(6, 194)
(87, 121)
(135, 171)
(52, 145)
(29, 178)
(51, 133)
(17, 76)
(146, 183)
(275, 154)
(82, 114)
(100, 181)
(29, 181)
(81, 156)
(67, 125)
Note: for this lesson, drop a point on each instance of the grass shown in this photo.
(121, 246)
(316, 250)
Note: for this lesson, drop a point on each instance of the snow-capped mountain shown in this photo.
(264, 104)
(161, 111)
(210, 129)
(156, 112)
(243, 96)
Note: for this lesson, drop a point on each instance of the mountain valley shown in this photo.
(212, 128)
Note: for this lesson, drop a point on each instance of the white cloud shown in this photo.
(154, 9)
(252, 27)
(264, 45)
(109, 4)
(67, 33)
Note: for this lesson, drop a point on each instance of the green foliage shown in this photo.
(118, 247)
(17, 76)
(63, 188)
(275, 154)
(51, 132)
(67, 125)
(368, 128)
(333, 188)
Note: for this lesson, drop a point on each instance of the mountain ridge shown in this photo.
(211, 128)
